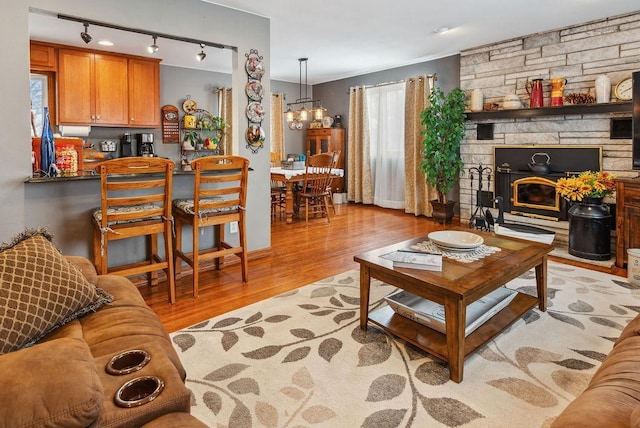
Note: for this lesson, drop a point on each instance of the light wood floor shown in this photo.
(299, 256)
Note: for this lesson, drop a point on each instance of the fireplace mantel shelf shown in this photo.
(619, 107)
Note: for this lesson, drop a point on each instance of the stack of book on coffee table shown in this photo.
(415, 259)
(431, 314)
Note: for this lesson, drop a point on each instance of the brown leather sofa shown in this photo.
(612, 398)
(61, 380)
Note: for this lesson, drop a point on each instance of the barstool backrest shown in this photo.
(135, 189)
(220, 183)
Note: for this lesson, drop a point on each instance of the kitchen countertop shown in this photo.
(86, 175)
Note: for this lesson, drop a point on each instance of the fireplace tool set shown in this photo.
(481, 219)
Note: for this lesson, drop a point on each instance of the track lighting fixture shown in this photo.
(201, 56)
(153, 48)
(85, 36)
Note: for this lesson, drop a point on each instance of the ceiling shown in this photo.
(349, 38)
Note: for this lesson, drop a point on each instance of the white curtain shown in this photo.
(386, 111)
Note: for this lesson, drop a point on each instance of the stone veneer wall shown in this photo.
(580, 54)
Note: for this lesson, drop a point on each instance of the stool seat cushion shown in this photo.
(187, 206)
(97, 213)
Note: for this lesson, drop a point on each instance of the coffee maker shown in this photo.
(126, 143)
(145, 144)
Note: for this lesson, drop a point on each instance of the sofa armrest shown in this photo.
(85, 267)
(71, 396)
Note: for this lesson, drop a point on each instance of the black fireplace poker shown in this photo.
(479, 219)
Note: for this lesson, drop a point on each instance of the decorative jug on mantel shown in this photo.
(557, 87)
(534, 89)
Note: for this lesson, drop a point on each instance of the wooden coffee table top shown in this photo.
(466, 280)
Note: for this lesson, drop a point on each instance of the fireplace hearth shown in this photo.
(528, 188)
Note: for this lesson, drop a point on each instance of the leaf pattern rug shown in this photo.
(300, 360)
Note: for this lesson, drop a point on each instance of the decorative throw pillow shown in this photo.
(40, 290)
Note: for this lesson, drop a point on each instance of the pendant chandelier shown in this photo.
(296, 118)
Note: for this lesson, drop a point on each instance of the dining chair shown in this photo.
(336, 157)
(135, 201)
(317, 180)
(219, 198)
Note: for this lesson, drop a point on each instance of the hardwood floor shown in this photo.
(299, 256)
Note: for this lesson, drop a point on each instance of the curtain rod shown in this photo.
(383, 84)
(393, 83)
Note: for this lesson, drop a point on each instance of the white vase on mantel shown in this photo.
(477, 98)
(603, 89)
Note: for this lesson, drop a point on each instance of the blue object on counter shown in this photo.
(47, 147)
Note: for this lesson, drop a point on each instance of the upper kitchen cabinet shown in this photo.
(92, 89)
(42, 57)
(101, 89)
(144, 92)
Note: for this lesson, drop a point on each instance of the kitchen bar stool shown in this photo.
(220, 194)
(135, 201)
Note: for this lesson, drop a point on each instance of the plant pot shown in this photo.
(442, 212)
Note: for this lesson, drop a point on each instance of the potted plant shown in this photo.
(443, 123)
(191, 139)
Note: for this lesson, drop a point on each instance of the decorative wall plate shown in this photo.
(254, 66)
(254, 90)
(255, 112)
(255, 135)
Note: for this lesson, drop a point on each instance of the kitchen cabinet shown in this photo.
(627, 217)
(93, 88)
(42, 57)
(322, 140)
(144, 92)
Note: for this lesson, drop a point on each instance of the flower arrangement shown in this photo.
(587, 184)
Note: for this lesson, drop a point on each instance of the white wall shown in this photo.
(58, 205)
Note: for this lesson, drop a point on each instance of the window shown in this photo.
(39, 90)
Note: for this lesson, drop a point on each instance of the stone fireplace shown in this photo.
(580, 54)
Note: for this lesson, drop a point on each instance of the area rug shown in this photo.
(301, 360)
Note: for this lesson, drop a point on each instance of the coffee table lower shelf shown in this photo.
(435, 343)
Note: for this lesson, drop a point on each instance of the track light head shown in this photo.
(153, 48)
(201, 56)
(85, 36)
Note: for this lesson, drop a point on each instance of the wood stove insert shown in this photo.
(533, 194)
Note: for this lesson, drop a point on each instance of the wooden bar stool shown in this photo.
(219, 197)
(135, 201)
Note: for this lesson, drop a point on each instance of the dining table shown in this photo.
(289, 177)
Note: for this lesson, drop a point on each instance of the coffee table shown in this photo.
(456, 286)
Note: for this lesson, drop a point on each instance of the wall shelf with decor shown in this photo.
(201, 132)
(619, 107)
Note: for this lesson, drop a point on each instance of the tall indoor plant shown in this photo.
(443, 129)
